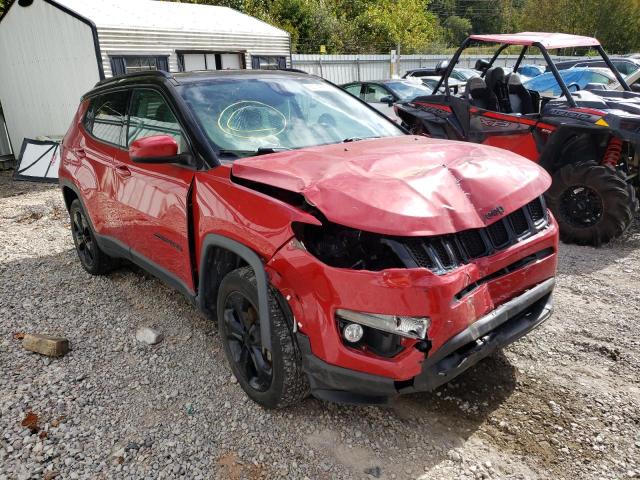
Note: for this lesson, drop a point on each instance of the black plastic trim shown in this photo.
(213, 240)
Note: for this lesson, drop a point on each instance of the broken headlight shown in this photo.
(344, 247)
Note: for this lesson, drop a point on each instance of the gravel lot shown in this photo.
(563, 402)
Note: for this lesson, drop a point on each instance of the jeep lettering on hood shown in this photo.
(410, 186)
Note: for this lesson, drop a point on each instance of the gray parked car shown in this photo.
(382, 94)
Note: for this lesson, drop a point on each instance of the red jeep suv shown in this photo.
(339, 255)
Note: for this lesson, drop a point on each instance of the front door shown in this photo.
(154, 197)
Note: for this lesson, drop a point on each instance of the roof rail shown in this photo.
(146, 73)
(293, 70)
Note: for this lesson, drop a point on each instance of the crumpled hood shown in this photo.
(410, 186)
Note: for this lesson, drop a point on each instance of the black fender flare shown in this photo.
(559, 138)
(212, 240)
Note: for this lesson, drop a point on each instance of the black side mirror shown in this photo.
(388, 100)
(482, 65)
(441, 66)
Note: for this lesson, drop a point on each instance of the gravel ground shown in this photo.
(564, 402)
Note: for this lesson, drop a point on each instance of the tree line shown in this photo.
(430, 26)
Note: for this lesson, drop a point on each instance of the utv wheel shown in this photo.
(592, 203)
(272, 379)
(93, 260)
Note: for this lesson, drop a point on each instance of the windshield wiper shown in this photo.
(356, 139)
(250, 153)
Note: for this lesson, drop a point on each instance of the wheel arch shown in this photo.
(568, 138)
(219, 256)
(69, 195)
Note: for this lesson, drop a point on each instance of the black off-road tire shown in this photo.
(91, 257)
(607, 187)
(289, 384)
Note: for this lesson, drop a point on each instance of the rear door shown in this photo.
(153, 198)
(101, 141)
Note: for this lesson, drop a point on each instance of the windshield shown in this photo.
(248, 116)
(547, 85)
(408, 91)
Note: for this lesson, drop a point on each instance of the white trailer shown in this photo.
(51, 52)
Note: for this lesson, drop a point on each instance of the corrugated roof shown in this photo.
(169, 16)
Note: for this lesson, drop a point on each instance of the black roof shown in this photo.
(197, 76)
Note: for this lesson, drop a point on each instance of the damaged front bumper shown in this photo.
(504, 325)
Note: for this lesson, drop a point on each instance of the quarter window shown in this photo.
(151, 115)
(105, 118)
(354, 89)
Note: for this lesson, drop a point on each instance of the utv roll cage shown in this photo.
(542, 41)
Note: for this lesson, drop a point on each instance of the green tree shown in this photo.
(457, 29)
(616, 23)
(387, 23)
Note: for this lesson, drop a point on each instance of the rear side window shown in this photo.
(151, 115)
(106, 116)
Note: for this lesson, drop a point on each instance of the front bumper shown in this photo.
(502, 326)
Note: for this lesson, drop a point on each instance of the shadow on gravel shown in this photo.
(13, 188)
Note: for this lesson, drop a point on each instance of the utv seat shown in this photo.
(520, 100)
(497, 83)
(479, 94)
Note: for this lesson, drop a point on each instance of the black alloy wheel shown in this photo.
(83, 239)
(581, 206)
(274, 378)
(92, 258)
(242, 327)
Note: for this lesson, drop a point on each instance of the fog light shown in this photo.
(410, 327)
(353, 332)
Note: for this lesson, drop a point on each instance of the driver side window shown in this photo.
(374, 93)
(151, 115)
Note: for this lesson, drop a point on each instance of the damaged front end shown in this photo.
(374, 313)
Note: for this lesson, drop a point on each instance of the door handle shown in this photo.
(123, 171)
(79, 151)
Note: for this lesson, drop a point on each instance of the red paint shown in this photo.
(402, 185)
(405, 186)
(444, 108)
(521, 143)
(317, 291)
(156, 146)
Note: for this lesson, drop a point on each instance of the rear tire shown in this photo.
(277, 379)
(592, 203)
(92, 258)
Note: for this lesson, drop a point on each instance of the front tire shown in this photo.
(592, 203)
(274, 379)
(92, 258)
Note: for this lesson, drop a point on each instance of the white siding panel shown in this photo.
(118, 41)
(47, 61)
